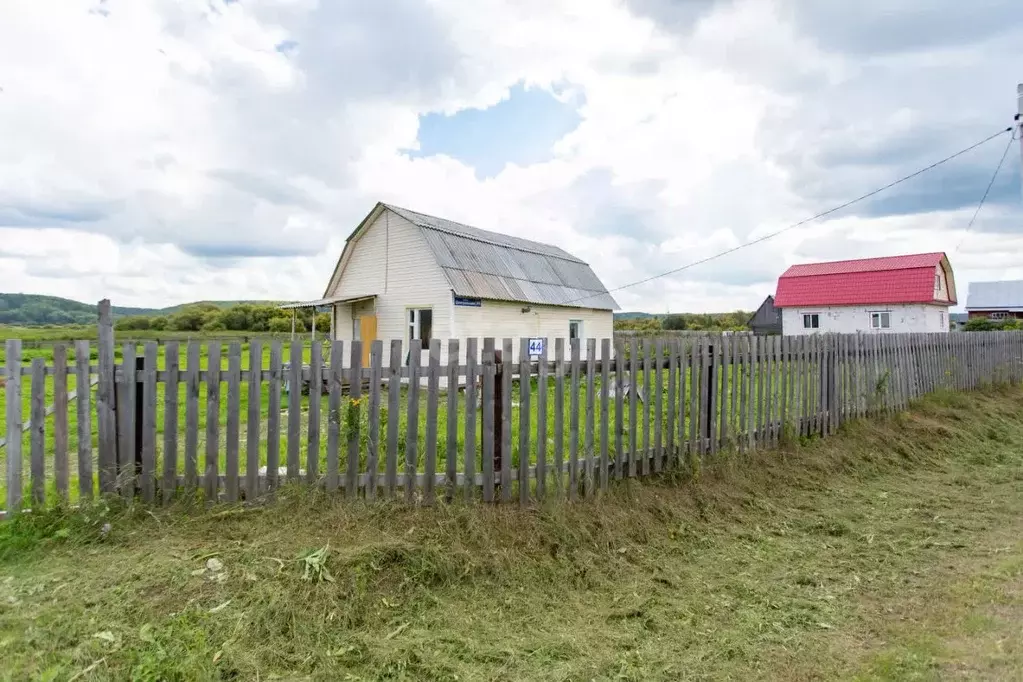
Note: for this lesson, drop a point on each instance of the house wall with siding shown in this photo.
(913, 318)
(1004, 313)
(392, 260)
(502, 319)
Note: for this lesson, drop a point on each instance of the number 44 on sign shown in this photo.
(536, 348)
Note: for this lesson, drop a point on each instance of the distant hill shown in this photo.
(30, 310)
(634, 316)
(219, 304)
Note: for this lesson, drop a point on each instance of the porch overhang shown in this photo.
(319, 303)
(334, 300)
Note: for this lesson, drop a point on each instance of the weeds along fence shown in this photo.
(190, 419)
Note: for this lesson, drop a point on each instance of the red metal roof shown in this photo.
(893, 279)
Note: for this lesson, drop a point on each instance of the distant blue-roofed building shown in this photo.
(1001, 300)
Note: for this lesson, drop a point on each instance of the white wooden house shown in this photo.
(405, 275)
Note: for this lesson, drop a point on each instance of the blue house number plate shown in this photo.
(536, 348)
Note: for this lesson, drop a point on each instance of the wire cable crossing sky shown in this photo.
(987, 190)
(830, 211)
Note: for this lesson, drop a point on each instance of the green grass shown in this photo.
(890, 552)
(45, 337)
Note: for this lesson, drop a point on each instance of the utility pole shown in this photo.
(1019, 118)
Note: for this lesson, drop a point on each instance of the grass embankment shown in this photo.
(892, 551)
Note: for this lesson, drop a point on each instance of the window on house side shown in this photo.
(999, 316)
(575, 329)
(811, 321)
(937, 282)
(881, 320)
(420, 326)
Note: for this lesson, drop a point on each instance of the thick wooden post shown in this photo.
(708, 421)
(14, 421)
(140, 396)
(498, 415)
(106, 411)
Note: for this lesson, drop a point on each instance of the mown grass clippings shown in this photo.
(889, 552)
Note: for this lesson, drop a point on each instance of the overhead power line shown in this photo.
(812, 218)
(1012, 138)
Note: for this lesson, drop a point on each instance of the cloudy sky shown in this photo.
(161, 151)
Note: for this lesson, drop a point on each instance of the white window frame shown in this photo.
(413, 324)
(943, 326)
(578, 329)
(878, 316)
(811, 317)
(1000, 315)
(937, 282)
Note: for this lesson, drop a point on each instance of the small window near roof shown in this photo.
(575, 329)
(937, 282)
(811, 321)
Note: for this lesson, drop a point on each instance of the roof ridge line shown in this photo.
(853, 272)
(566, 257)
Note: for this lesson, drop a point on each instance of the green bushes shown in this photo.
(983, 324)
(209, 317)
(707, 322)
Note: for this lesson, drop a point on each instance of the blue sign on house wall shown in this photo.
(468, 301)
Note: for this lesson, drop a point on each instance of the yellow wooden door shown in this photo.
(367, 334)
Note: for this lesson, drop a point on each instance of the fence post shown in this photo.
(106, 408)
(14, 421)
(707, 421)
(140, 395)
(832, 385)
(498, 416)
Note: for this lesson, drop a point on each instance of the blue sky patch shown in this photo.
(36, 215)
(947, 188)
(520, 129)
(286, 46)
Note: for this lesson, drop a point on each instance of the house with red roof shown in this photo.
(894, 294)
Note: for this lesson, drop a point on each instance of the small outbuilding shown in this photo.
(767, 319)
(911, 293)
(406, 275)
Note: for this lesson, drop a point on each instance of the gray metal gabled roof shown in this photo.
(1006, 295)
(483, 264)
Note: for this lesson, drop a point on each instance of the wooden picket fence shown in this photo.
(474, 427)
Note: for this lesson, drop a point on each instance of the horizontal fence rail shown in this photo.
(482, 420)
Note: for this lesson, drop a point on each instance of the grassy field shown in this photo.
(891, 552)
(44, 337)
(351, 415)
